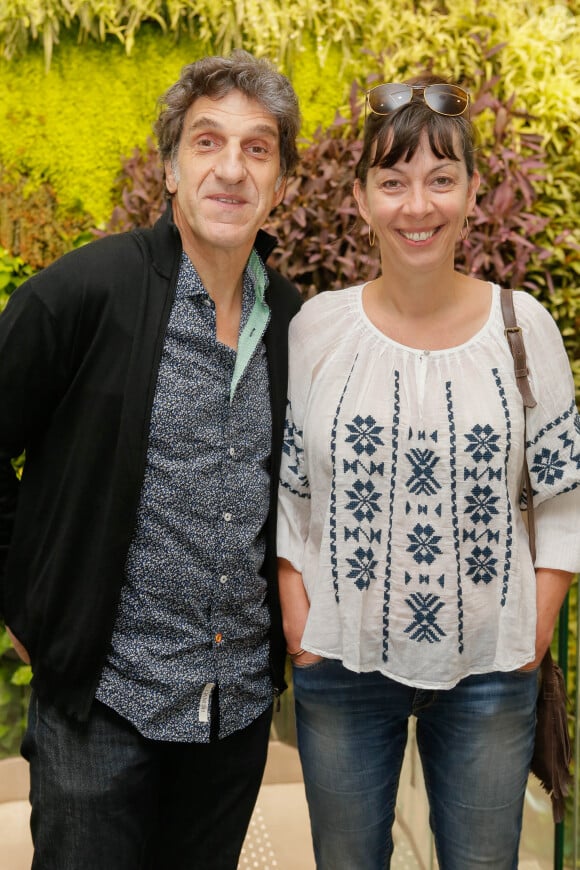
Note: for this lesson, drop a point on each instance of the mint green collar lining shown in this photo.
(257, 322)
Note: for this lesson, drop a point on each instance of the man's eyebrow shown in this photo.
(259, 130)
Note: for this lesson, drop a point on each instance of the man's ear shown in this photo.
(279, 191)
(170, 179)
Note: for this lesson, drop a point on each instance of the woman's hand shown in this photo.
(551, 588)
(295, 607)
(304, 658)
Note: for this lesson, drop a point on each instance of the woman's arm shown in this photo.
(552, 586)
(295, 606)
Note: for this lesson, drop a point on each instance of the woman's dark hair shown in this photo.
(394, 137)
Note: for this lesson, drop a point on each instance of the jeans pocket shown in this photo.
(528, 672)
(309, 666)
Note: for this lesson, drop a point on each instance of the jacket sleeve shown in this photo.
(31, 377)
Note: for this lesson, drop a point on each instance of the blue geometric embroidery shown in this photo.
(482, 443)
(569, 442)
(547, 466)
(389, 552)
(509, 532)
(370, 536)
(491, 537)
(291, 446)
(476, 474)
(423, 544)
(454, 515)
(425, 609)
(363, 500)
(422, 480)
(482, 565)
(570, 412)
(332, 519)
(482, 504)
(365, 435)
(363, 567)
(483, 446)
(363, 497)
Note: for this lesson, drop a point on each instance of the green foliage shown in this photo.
(13, 271)
(140, 191)
(277, 29)
(14, 694)
(33, 225)
(69, 128)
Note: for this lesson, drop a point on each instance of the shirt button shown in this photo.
(207, 302)
(232, 451)
(218, 638)
(227, 517)
(224, 578)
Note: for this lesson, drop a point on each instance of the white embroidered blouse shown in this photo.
(400, 490)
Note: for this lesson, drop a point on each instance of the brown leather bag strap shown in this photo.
(516, 342)
(517, 347)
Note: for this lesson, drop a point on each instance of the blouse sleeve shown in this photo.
(553, 441)
(557, 538)
(294, 489)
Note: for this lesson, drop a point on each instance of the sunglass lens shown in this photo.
(385, 99)
(446, 99)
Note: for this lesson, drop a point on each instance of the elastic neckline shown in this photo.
(418, 351)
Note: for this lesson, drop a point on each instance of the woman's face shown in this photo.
(418, 209)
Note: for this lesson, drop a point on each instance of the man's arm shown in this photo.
(8, 501)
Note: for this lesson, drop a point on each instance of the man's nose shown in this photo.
(231, 164)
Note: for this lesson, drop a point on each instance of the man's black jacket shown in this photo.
(80, 345)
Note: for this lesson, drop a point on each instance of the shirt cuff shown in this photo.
(557, 523)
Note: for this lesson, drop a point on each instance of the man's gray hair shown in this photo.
(214, 77)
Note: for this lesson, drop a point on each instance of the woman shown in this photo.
(406, 580)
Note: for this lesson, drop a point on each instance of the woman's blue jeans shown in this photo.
(475, 742)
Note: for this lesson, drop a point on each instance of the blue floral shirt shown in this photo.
(193, 613)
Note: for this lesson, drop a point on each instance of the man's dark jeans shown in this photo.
(105, 798)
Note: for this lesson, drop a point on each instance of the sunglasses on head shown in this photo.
(449, 100)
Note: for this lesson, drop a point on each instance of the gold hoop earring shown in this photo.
(372, 237)
(466, 230)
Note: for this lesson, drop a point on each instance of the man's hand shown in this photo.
(20, 649)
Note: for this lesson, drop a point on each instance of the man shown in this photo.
(145, 377)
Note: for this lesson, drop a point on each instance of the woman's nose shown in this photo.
(418, 200)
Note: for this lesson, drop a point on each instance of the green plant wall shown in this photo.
(72, 125)
(70, 111)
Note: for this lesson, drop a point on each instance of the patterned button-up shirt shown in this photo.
(193, 613)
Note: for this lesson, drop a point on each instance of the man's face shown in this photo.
(225, 179)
